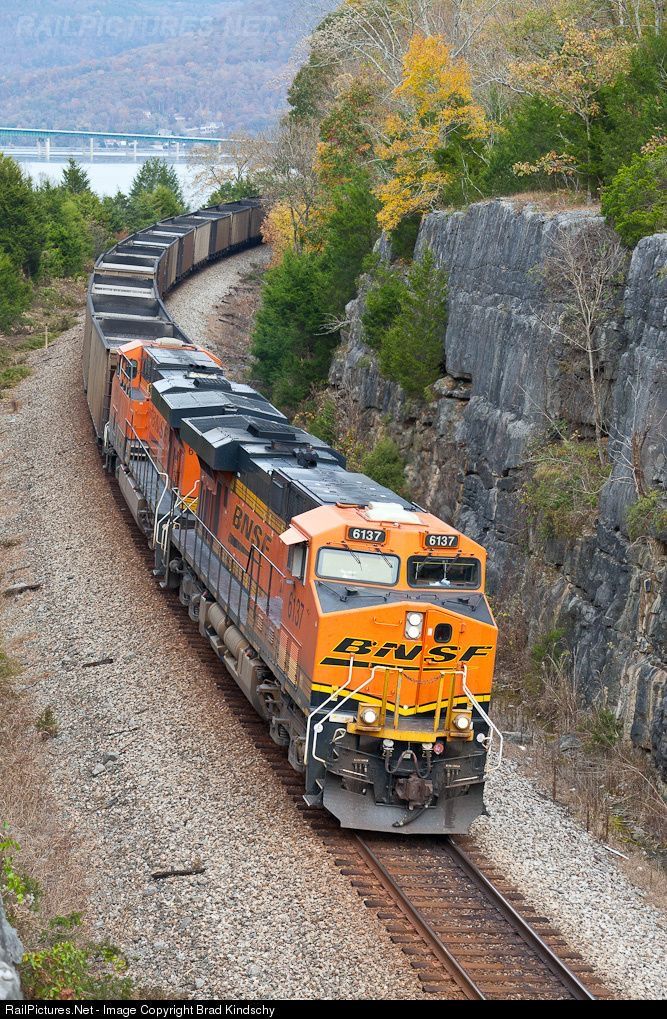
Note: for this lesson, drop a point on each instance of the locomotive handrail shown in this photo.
(493, 728)
(318, 727)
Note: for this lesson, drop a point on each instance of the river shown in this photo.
(106, 178)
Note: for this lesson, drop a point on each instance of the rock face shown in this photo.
(11, 952)
(508, 375)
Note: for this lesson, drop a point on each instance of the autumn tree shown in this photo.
(584, 273)
(231, 174)
(572, 75)
(434, 113)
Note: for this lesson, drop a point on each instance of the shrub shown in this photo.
(549, 647)
(234, 190)
(65, 970)
(15, 292)
(603, 728)
(635, 202)
(412, 350)
(385, 465)
(647, 517)
(382, 305)
(562, 496)
(324, 421)
(292, 352)
(404, 237)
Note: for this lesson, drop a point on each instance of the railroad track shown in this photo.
(458, 924)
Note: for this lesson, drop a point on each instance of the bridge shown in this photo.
(127, 142)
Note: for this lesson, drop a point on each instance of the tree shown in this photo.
(635, 202)
(75, 179)
(14, 292)
(67, 243)
(292, 352)
(584, 273)
(633, 107)
(412, 350)
(151, 206)
(155, 173)
(348, 233)
(435, 113)
(230, 175)
(572, 76)
(385, 464)
(21, 229)
(289, 177)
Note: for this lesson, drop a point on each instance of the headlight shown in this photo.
(368, 716)
(462, 722)
(414, 623)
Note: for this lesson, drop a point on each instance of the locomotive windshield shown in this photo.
(359, 567)
(434, 571)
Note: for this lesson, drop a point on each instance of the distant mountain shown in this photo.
(144, 65)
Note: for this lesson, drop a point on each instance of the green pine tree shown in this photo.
(75, 179)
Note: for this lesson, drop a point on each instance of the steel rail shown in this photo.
(546, 954)
(419, 922)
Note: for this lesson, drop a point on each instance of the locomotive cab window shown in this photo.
(358, 567)
(296, 560)
(437, 571)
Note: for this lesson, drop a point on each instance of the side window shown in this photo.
(296, 560)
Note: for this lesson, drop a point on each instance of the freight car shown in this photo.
(355, 622)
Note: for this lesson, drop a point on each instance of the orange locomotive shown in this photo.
(355, 622)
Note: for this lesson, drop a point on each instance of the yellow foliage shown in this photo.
(572, 76)
(279, 231)
(432, 102)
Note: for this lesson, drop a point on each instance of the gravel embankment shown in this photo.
(150, 768)
(192, 301)
(574, 881)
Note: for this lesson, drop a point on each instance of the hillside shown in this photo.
(131, 66)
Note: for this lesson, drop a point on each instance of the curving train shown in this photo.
(355, 622)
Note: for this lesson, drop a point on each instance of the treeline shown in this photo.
(405, 106)
(49, 231)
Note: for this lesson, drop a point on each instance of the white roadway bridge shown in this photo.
(112, 144)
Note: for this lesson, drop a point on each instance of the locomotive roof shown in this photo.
(286, 464)
(197, 394)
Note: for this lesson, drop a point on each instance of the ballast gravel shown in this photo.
(572, 879)
(150, 767)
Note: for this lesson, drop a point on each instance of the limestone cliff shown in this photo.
(507, 375)
(11, 953)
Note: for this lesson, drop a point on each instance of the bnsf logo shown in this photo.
(437, 654)
(255, 534)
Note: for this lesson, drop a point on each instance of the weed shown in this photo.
(47, 723)
(66, 970)
(603, 728)
(562, 496)
(17, 889)
(647, 517)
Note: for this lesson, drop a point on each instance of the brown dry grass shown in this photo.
(554, 201)
(28, 804)
(608, 784)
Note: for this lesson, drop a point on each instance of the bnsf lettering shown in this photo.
(400, 651)
(438, 654)
(253, 532)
